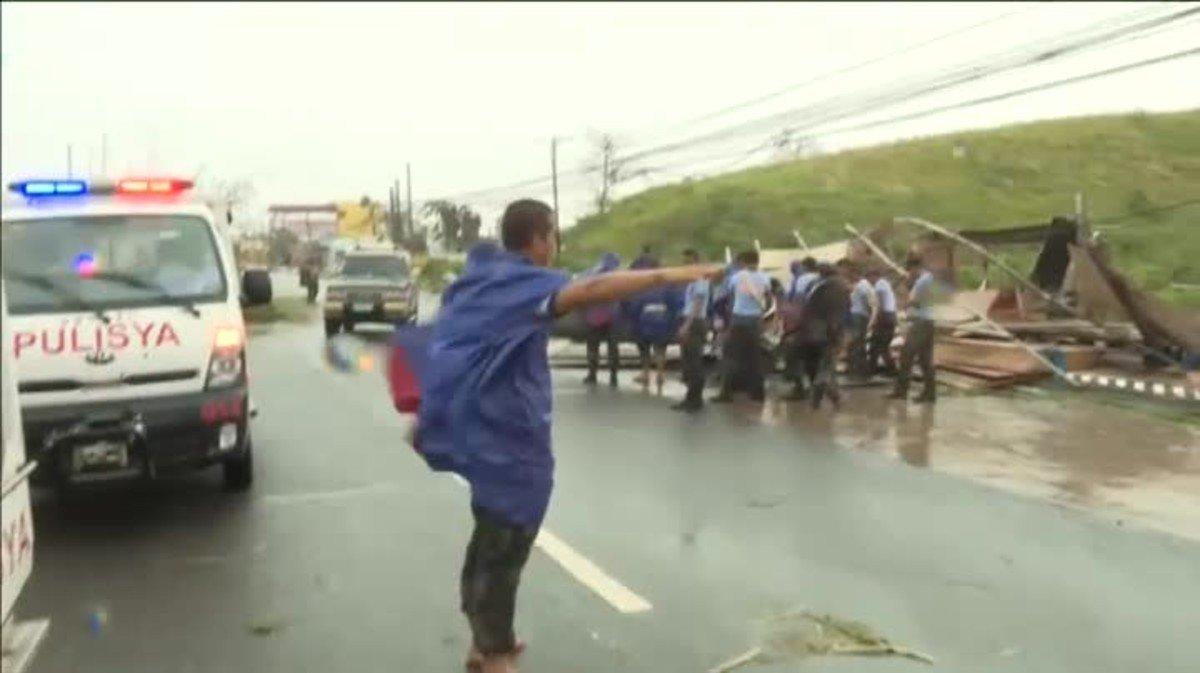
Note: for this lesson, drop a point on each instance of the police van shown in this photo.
(125, 317)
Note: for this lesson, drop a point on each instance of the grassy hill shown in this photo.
(1131, 167)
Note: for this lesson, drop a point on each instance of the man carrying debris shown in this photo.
(918, 340)
(485, 404)
(821, 333)
(882, 327)
(804, 274)
(741, 354)
(692, 335)
(601, 327)
(862, 306)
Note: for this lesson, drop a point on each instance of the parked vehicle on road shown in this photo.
(127, 331)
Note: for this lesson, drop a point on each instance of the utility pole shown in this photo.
(408, 180)
(69, 175)
(604, 176)
(554, 173)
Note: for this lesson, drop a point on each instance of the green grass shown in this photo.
(1129, 166)
(281, 309)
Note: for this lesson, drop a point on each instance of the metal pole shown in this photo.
(800, 239)
(554, 172)
(408, 178)
(978, 314)
(69, 175)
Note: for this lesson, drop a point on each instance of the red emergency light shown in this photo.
(159, 186)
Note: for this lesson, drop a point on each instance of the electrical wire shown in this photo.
(960, 76)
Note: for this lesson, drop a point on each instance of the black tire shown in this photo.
(238, 471)
(332, 327)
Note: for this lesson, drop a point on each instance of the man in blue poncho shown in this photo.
(485, 404)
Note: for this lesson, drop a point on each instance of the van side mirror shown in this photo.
(256, 287)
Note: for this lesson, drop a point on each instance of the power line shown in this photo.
(1152, 211)
(1019, 92)
(958, 76)
(903, 93)
(851, 68)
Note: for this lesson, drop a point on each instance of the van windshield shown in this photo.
(107, 262)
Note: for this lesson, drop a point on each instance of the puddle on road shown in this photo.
(1072, 449)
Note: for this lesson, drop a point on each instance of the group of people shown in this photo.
(825, 312)
(478, 377)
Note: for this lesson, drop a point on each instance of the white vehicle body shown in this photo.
(21, 639)
(131, 380)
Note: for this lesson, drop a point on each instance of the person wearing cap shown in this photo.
(918, 339)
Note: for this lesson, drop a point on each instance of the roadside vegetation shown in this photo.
(281, 309)
(1135, 171)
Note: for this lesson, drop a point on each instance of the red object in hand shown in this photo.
(406, 391)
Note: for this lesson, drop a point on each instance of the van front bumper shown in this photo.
(161, 434)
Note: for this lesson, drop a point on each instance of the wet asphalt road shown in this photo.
(344, 555)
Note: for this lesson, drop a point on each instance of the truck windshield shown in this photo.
(107, 262)
(378, 266)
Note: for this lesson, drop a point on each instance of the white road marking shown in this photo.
(321, 496)
(619, 596)
(590, 575)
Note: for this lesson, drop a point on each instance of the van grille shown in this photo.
(64, 385)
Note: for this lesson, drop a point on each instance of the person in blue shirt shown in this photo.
(601, 323)
(804, 274)
(632, 310)
(654, 326)
(741, 353)
(862, 305)
(692, 334)
(485, 403)
(918, 340)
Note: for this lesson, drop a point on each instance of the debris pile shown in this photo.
(799, 634)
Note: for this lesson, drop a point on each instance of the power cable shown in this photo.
(1043, 55)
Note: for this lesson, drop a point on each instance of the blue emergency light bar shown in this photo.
(149, 187)
(49, 187)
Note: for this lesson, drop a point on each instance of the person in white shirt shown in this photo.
(882, 328)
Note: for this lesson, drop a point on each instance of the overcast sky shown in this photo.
(316, 102)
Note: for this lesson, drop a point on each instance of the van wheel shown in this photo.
(332, 327)
(239, 470)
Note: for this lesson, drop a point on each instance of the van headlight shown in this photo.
(228, 364)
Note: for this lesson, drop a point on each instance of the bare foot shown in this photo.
(499, 663)
(475, 657)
